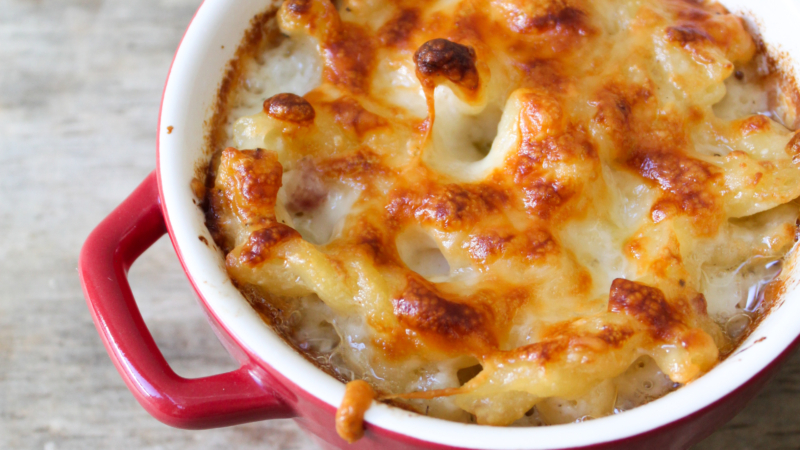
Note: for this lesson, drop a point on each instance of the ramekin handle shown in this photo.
(216, 401)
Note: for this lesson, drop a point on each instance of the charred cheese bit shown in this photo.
(442, 59)
(289, 108)
(358, 396)
(536, 193)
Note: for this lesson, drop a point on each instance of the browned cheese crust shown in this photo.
(604, 114)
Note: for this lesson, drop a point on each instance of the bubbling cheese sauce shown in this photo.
(512, 213)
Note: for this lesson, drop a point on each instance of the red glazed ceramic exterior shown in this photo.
(276, 382)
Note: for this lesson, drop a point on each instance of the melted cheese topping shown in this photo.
(509, 211)
(358, 396)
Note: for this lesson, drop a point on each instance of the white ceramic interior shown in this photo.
(188, 101)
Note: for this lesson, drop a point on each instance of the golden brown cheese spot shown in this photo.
(654, 148)
(257, 171)
(441, 58)
(550, 27)
(757, 179)
(421, 308)
(793, 148)
(546, 143)
(350, 115)
(713, 24)
(374, 241)
(647, 304)
(542, 197)
(317, 18)
(554, 17)
(358, 396)
(616, 105)
(686, 34)
(396, 32)
(634, 249)
(483, 248)
(688, 180)
(449, 206)
(753, 124)
(559, 19)
(289, 108)
(544, 73)
(544, 351)
(261, 243)
(536, 244)
(615, 336)
(563, 339)
(697, 11)
(350, 59)
(695, 115)
(298, 7)
(347, 49)
(397, 345)
(360, 165)
(251, 180)
(531, 245)
(693, 39)
(540, 116)
(532, 171)
(663, 262)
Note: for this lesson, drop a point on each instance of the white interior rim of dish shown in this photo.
(189, 97)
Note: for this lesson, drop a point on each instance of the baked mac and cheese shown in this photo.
(509, 212)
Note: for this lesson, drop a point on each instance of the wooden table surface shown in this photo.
(80, 84)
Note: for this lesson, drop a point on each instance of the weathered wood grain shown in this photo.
(80, 84)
